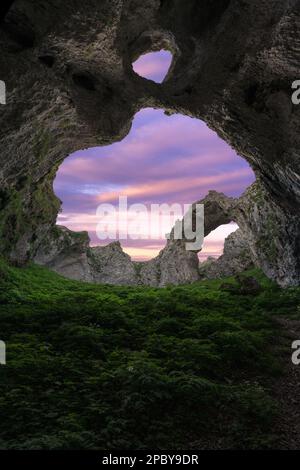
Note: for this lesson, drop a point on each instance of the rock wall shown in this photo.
(70, 85)
(272, 233)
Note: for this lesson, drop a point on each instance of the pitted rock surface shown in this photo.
(70, 85)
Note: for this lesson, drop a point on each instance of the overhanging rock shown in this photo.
(70, 85)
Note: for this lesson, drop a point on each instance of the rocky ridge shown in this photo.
(72, 257)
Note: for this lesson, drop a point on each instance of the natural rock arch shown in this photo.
(70, 84)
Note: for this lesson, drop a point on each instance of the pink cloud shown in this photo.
(178, 185)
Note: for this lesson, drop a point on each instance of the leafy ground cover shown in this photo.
(102, 367)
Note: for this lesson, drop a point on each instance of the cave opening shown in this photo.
(163, 160)
(154, 65)
(213, 246)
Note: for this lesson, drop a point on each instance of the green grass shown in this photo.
(102, 367)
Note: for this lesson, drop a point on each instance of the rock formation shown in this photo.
(65, 252)
(237, 258)
(173, 266)
(110, 265)
(270, 231)
(69, 254)
(70, 85)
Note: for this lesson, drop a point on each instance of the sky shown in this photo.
(154, 65)
(164, 159)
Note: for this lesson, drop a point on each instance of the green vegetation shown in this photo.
(23, 210)
(101, 367)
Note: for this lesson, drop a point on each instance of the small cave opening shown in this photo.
(213, 246)
(154, 66)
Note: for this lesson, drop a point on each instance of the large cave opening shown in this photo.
(164, 160)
